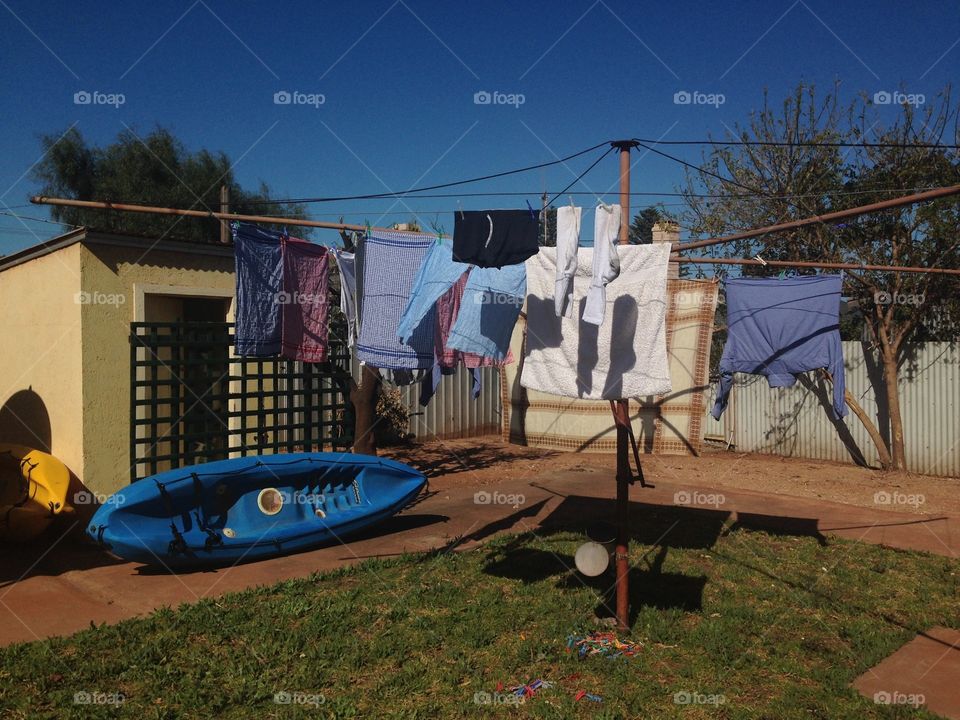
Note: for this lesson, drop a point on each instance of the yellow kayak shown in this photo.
(33, 491)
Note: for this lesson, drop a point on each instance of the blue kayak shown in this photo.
(251, 508)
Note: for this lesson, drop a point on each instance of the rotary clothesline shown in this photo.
(619, 407)
(902, 201)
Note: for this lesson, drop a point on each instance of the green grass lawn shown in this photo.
(778, 625)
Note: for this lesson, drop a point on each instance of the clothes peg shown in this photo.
(762, 261)
(782, 275)
(367, 235)
(460, 208)
(571, 201)
(533, 214)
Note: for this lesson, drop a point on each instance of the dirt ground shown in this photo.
(487, 460)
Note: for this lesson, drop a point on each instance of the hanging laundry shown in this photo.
(491, 304)
(259, 269)
(447, 359)
(448, 310)
(495, 238)
(391, 261)
(346, 262)
(435, 277)
(626, 356)
(568, 241)
(606, 261)
(305, 306)
(779, 328)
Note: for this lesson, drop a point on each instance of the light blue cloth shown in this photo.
(259, 270)
(779, 328)
(436, 276)
(490, 307)
(391, 261)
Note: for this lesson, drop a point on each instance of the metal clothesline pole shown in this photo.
(811, 264)
(155, 210)
(621, 416)
(826, 218)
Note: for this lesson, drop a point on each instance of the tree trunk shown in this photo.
(892, 386)
(364, 398)
(882, 453)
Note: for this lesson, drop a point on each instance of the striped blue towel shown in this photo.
(391, 261)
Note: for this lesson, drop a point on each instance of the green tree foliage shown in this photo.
(153, 170)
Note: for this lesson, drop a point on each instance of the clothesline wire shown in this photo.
(700, 169)
(36, 219)
(440, 186)
(581, 175)
(800, 143)
(646, 143)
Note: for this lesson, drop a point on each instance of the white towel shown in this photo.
(626, 356)
(568, 240)
(606, 261)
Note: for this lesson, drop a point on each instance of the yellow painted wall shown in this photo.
(110, 276)
(40, 356)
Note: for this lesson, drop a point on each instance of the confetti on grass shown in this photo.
(602, 643)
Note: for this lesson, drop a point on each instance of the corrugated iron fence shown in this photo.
(796, 422)
(453, 412)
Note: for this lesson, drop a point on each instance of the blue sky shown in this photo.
(398, 80)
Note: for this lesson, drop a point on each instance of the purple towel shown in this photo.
(304, 302)
(259, 268)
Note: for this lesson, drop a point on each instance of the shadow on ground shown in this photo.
(447, 460)
(657, 528)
